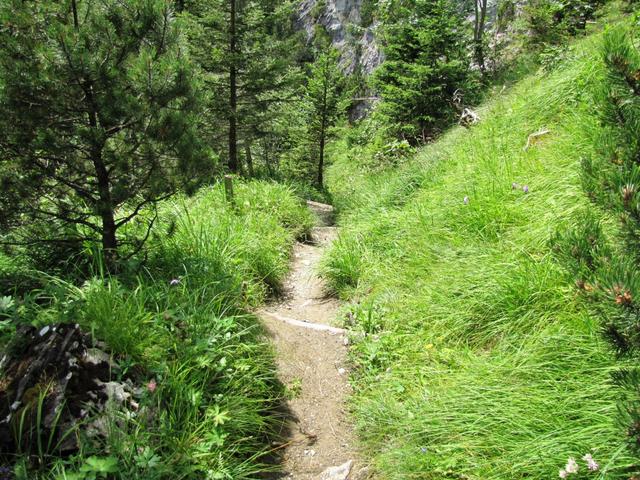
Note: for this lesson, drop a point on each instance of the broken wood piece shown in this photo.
(533, 136)
(299, 323)
(469, 117)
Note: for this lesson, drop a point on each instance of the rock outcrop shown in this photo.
(343, 23)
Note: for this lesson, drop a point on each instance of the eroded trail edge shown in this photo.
(312, 362)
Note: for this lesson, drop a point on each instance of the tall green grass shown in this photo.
(180, 320)
(245, 248)
(475, 357)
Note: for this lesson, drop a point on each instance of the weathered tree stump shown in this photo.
(51, 382)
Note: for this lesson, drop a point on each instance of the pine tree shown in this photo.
(325, 101)
(612, 178)
(426, 62)
(610, 276)
(95, 110)
(247, 51)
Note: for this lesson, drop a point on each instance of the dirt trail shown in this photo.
(312, 362)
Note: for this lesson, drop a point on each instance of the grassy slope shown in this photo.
(479, 362)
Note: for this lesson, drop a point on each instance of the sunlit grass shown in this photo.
(480, 362)
(181, 320)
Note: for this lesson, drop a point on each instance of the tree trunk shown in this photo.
(321, 159)
(105, 210)
(74, 10)
(267, 161)
(247, 150)
(478, 33)
(105, 203)
(323, 129)
(233, 93)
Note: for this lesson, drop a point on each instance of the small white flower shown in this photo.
(562, 473)
(572, 465)
(466, 200)
(591, 463)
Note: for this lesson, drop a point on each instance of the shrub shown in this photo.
(609, 276)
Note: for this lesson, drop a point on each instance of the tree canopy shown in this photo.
(96, 110)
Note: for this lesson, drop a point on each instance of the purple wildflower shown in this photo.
(466, 200)
(525, 189)
(6, 473)
(423, 449)
(174, 282)
(591, 463)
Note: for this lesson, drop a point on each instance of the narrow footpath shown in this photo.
(312, 363)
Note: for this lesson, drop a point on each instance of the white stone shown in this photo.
(341, 472)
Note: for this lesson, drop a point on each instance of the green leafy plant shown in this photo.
(93, 468)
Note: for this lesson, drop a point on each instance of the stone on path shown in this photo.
(340, 472)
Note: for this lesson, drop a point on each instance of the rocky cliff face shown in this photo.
(342, 21)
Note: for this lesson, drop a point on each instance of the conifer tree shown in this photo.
(612, 178)
(95, 113)
(325, 101)
(609, 274)
(426, 62)
(246, 50)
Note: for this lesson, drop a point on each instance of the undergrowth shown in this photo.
(475, 358)
(176, 323)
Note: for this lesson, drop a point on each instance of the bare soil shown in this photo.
(312, 363)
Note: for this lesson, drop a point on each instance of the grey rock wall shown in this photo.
(342, 21)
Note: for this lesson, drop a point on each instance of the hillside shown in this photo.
(475, 356)
(177, 300)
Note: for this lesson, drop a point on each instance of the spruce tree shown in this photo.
(325, 101)
(246, 50)
(426, 62)
(95, 113)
